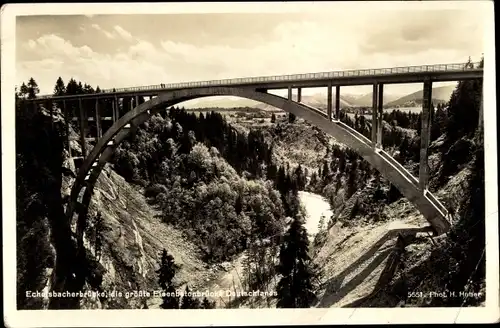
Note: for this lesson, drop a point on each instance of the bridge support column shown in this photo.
(374, 114)
(337, 102)
(380, 115)
(480, 118)
(425, 135)
(299, 94)
(98, 120)
(50, 104)
(67, 122)
(116, 115)
(136, 101)
(113, 112)
(83, 124)
(289, 92)
(329, 102)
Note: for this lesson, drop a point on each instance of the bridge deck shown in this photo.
(408, 74)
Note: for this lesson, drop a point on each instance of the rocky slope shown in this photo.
(133, 238)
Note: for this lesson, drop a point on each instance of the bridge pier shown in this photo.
(113, 114)
(83, 125)
(329, 101)
(299, 94)
(50, 106)
(67, 122)
(374, 114)
(380, 115)
(115, 109)
(425, 135)
(337, 102)
(480, 118)
(98, 120)
(132, 103)
(290, 92)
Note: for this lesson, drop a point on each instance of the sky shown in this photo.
(141, 49)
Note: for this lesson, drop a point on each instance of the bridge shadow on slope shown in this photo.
(334, 291)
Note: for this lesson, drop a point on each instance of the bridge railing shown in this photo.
(297, 77)
(307, 76)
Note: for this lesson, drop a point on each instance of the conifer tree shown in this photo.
(60, 88)
(23, 91)
(100, 228)
(463, 110)
(79, 88)
(462, 121)
(295, 288)
(351, 180)
(72, 87)
(166, 274)
(206, 304)
(33, 89)
(188, 301)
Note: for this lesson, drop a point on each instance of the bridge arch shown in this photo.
(389, 168)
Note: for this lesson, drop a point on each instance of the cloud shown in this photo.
(291, 47)
(106, 33)
(123, 33)
(53, 46)
(437, 30)
(62, 58)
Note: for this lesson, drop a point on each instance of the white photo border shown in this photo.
(152, 317)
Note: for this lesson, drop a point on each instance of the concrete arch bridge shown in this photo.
(162, 96)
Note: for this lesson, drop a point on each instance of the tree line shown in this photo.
(30, 89)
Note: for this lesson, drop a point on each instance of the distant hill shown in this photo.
(350, 98)
(317, 100)
(219, 102)
(439, 95)
(366, 99)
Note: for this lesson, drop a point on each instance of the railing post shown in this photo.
(98, 119)
(299, 94)
(425, 135)
(374, 114)
(67, 121)
(380, 115)
(337, 102)
(289, 92)
(83, 121)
